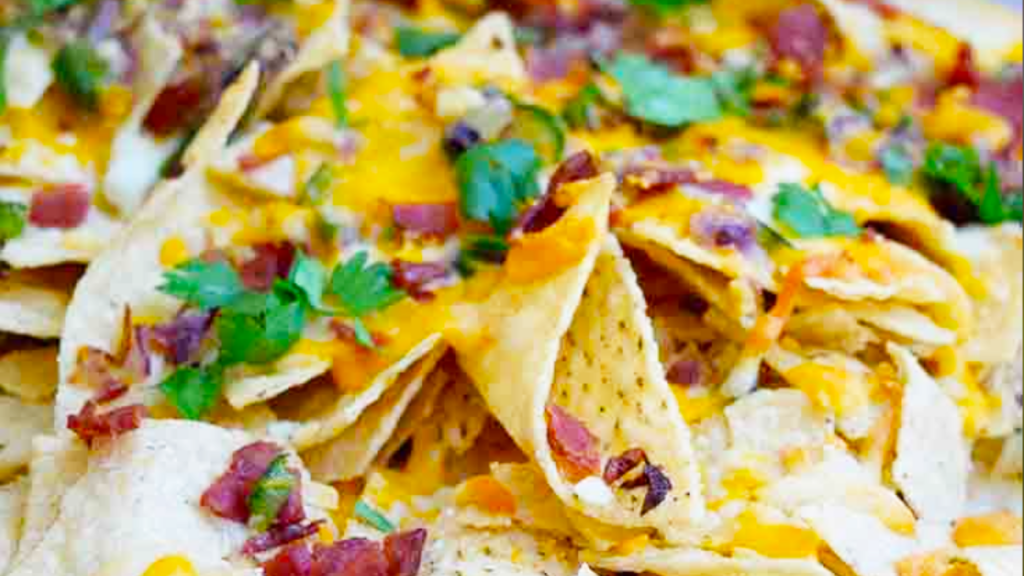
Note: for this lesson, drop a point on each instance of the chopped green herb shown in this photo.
(957, 166)
(481, 249)
(261, 334)
(664, 7)
(40, 8)
(208, 285)
(770, 239)
(657, 95)
(898, 165)
(494, 179)
(12, 220)
(734, 89)
(364, 512)
(541, 128)
(270, 494)
(418, 43)
(582, 112)
(337, 92)
(317, 187)
(80, 71)
(362, 289)
(194, 391)
(807, 214)
(994, 208)
(363, 335)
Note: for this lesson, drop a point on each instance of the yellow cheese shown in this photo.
(774, 540)
(173, 252)
(171, 566)
(955, 119)
(996, 529)
(835, 389)
(698, 406)
(941, 45)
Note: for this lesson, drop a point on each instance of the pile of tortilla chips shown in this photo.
(671, 288)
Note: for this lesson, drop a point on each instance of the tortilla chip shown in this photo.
(31, 307)
(12, 511)
(457, 551)
(691, 562)
(485, 55)
(351, 454)
(904, 323)
(136, 496)
(30, 375)
(997, 255)
(830, 326)
(422, 408)
(995, 560)
(860, 541)
(932, 462)
(21, 423)
(991, 28)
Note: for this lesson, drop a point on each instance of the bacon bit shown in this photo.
(800, 35)
(174, 108)
(95, 370)
(272, 261)
(404, 552)
(881, 8)
(89, 425)
(688, 372)
(180, 339)
(294, 560)
(619, 466)
(65, 206)
(132, 354)
(348, 334)
(250, 162)
(228, 497)
(659, 487)
(965, 72)
(575, 449)
(413, 277)
(546, 211)
(280, 535)
(654, 180)
(354, 557)
(435, 220)
(728, 189)
(488, 494)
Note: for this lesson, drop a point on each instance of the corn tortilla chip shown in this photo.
(995, 560)
(21, 423)
(30, 375)
(12, 512)
(692, 562)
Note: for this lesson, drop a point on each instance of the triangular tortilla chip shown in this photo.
(33, 304)
(21, 423)
(690, 562)
(12, 513)
(995, 560)
(31, 374)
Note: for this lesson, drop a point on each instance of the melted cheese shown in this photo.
(942, 46)
(774, 540)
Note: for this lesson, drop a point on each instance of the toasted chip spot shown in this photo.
(548, 252)
(488, 494)
(997, 529)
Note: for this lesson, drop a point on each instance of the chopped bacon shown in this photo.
(347, 333)
(732, 191)
(228, 497)
(965, 72)
(250, 162)
(414, 277)
(436, 220)
(294, 560)
(659, 487)
(175, 107)
(280, 535)
(65, 206)
(271, 262)
(404, 552)
(354, 557)
(95, 370)
(880, 7)
(89, 425)
(619, 466)
(1005, 98)
(181, 339)
(688, 372)
(657, 180)
(800, 35)
(575, 448)
(545, 212)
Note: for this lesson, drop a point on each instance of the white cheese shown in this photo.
(594, 491)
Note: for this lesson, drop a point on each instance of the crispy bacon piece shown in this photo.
(575, 448)
(272, 261)
(90, 425)
(228, 497)
(294, 560)
(657, 180)
(404, 552)
(279, 536)
(174, 109)
(436, 220)
(65, 206)
(965, 72)
(180, 339)
(545, 212)
(800, 35)
(95, 370)
(687, 372)
(619, 466)
(658, 488)
(413, 277)
(354, 557)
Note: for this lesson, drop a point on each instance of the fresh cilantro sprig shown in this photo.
(80, 71)
(665, 7)
(960, 168)
(336, 91)
(418, 43)
(207, 285)
(478, 250)
(12, 220)
(808, 215)
(363, 288)
(270, 494)
(495, 179)
(735, 90)
(655, 94)
(583, 111)
(367, 514)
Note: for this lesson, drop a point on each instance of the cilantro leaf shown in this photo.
(362, 289)
(80, 71)
(270, 494)
(481, 249)
(809, 215)
(208, 285)
(310, 277)
(898, 165)
(494, 178)
(12, 220)
(263, 335)
(317, 187)
(363, 335)
(734, 89)
(993, 207)
(582, 111)
(958, 166)
(39, 8)
(337, 93)
(418, 43)
(664, 7)
(193, 391)
(655, 94)
(367, 514)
